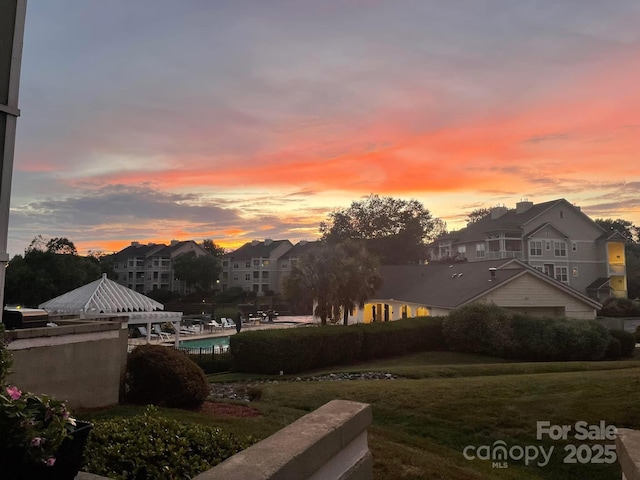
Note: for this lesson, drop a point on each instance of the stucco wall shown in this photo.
(82, 364)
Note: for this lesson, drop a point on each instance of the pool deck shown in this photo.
(281, 322)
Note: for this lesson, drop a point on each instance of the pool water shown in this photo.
(205, 342)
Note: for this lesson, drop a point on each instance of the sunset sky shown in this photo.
(152, 120)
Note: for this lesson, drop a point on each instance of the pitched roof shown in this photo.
(101, 296)
(452, 285)
(302, 247)
(139, 250)
(256, 249)
(511, 220)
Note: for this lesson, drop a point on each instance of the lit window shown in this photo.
(480, 248)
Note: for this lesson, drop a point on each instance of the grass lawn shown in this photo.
(422, 423)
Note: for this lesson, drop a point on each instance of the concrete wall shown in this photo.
(80, 362)
(327, 444)
(628, 453)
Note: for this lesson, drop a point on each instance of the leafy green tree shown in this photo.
(394, 230)
(478, 214)
(105, 261)
(336, 277)
(625, 227)
(199, 272)
(46, 270)
(210, 246)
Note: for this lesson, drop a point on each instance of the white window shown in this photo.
(574, 271)
(560, 249)
(480, 247)
(548, 245)
(574, 246)
(535, 248)
(247, 277)
(462, 251)
(235, 277)
(236, 265)
(562, 274)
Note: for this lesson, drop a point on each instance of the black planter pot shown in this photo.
(68, 460)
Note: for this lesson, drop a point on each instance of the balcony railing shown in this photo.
(503, 254)
(616, 269)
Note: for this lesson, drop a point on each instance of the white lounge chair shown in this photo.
(190, 330)
(158, 331)
(143, 331)
(227, 323)
(213, 324)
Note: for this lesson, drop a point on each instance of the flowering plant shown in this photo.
(33, 426)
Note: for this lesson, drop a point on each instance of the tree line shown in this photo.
(340, 274)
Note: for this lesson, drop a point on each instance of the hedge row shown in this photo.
(300, 349)
(490, 330)
(150, 446)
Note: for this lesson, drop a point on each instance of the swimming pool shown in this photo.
(205, 342)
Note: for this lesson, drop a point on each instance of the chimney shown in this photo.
(174, 242)
(255, 243)
(135, 244)
(523, 205)
(497, 212)
(268, 241)
(492, 273)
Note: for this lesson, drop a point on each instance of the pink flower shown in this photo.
(50, 461)
(37, 441)
(14, 393)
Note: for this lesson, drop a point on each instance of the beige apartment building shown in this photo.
(147, 267)
(554, 237)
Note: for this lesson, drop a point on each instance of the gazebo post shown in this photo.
(176, 337)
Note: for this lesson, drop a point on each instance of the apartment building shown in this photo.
(254, 266)
(147, 267)
(554, 237)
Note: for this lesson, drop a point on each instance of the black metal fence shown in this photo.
(210, 359)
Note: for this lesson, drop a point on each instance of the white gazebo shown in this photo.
(105, 297)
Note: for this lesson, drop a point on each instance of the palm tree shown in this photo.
(336, 277)
(359, 279)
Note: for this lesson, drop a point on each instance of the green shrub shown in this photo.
(487, 329)
(614, 349)
(557, 339)
(294, 350)
(577, 340)
(531, 339)
(163, 376)
(301, 349)
(151, 447)
(627, 341)
(5, 357)
(620, 307)
(479, 328)
(386, 339)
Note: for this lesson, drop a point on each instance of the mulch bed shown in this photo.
(218, 409)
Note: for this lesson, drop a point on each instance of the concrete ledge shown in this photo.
(628, 451)
(329, 443)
